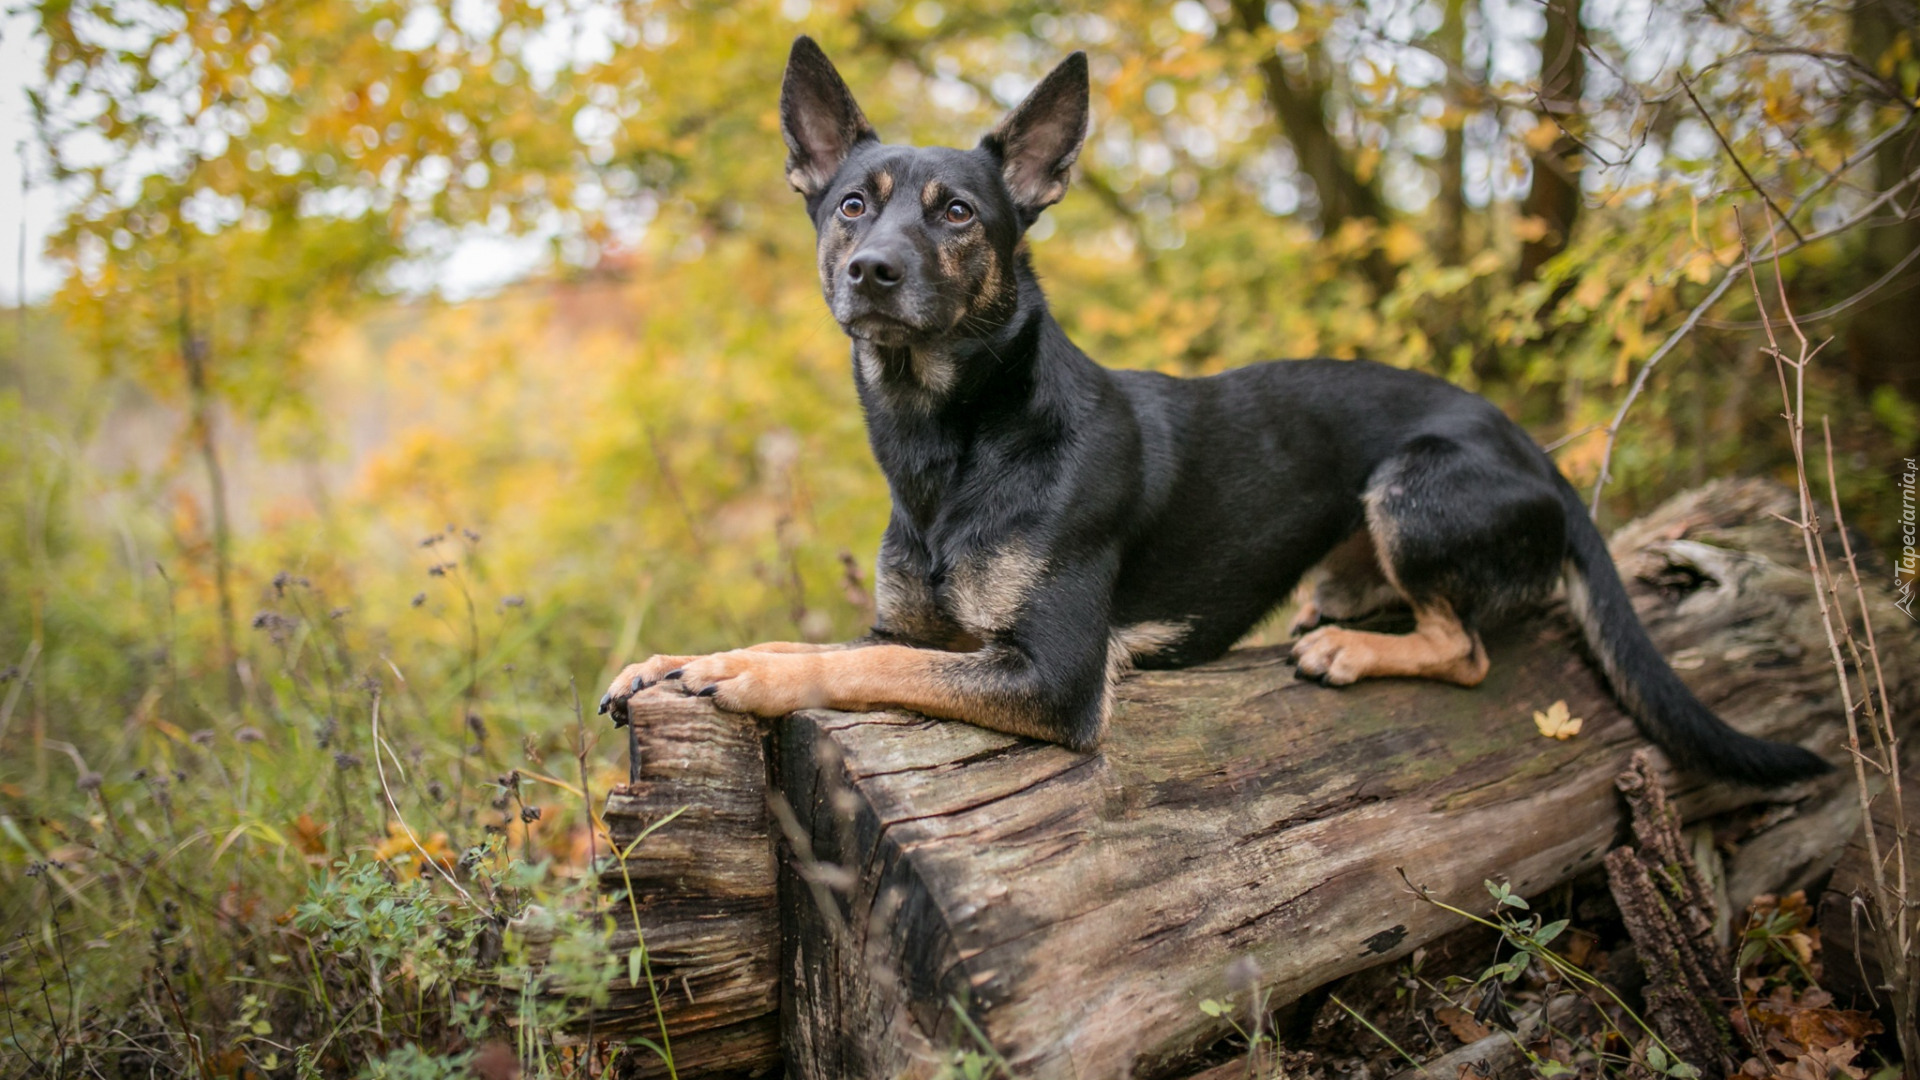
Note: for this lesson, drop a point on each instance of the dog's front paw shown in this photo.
(633, 679)
(1333, 655)
(751, 681)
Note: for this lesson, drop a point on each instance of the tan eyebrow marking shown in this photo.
(930, 195)
(883, 185)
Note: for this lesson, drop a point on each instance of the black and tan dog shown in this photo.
(1055, 522)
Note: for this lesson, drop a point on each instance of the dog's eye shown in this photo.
(852, 206)
(959, 213)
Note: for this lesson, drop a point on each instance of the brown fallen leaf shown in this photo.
(1462, 1024)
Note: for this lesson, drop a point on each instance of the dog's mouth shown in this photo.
(881, 329)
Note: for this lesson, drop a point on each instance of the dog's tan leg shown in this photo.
(1439, 648)
(1348, 583)
(950, 686)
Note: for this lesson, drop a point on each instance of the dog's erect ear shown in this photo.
(818, 118)
(1039, 140)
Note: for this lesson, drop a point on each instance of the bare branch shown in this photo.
(1727, 278)
(1738, 164)
(1826, 312)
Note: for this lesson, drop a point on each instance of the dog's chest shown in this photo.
(960, 602)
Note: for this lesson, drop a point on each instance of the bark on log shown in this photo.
(1669, 911)
(943, 885)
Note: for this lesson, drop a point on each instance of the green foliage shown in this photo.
(413, 1063)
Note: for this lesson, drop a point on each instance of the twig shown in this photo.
(1829, 311)
(1378, 1034)
(1891, 923)
(1738, 164)
(380, 766)
(664, 1048)
(1565, 439)
(1728, 276)
(586, 804)
(1885, 734)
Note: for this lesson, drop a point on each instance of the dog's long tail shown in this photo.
(1666, 711)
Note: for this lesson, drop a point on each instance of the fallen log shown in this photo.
(1850, 952)
(942, 887)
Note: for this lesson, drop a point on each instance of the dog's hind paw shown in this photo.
(1304, 619)
(1334, 656)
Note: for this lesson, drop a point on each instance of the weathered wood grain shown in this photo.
(1078, 908)
(703, 886)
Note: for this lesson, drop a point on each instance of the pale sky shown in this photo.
(19, 60)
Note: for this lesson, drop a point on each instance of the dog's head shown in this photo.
(918, 243)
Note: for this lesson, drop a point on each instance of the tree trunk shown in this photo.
(193, 352)
(1878, 336)
(942, 886)
(1452, 42)
(1554, 197)
(1300, 107)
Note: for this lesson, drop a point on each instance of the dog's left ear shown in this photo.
(1039, 140)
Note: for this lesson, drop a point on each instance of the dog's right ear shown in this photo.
(818, 118)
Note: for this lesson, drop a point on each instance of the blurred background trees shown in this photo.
(463, 350)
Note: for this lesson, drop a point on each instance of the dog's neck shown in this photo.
(934, 411)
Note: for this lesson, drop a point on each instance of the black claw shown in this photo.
(674, 674)
(709, 691)
(638, 683)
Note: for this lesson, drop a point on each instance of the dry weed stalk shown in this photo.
(1887, 906)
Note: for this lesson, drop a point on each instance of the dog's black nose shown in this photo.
(874, 269)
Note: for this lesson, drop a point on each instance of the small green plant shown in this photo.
(1262, 1049)
(413, 1063)
(976, 1061)
(1527, 939)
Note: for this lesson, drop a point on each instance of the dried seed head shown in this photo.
(1243, 975)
